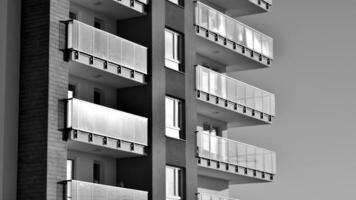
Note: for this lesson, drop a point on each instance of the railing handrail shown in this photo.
(105, 32)
(109, 186)
(227, 16)
(235, 80)
(220, 149)
(108, 108)
(233, 30)
(137, 136)
(217, 196)
(235, 91)
(234, 141)
(100, 44)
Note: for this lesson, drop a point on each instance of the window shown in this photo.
(70, 169)
(212, 130)
(173, 117)
(177, 2)
(98, 23)
(98, 99)
(97, 172)
(71, 91)
(73, 15)
(173, 183)
(172, 50)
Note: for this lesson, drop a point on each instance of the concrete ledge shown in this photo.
(236, 114)
(230, 172)
(227, 52)
(99, 144)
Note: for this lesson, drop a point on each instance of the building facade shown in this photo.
(130, 99)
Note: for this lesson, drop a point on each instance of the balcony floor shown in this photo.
(96, 72)
(241, 175)
(110, 149)
(235, 118)
(236, 60)
(236, 8)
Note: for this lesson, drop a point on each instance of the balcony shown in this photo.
(117, 9)
(101, 130)
(236, 8)
(80, 190)
(103, 57)
(230, 42)
(227, 99)
(222, 158)
(207, 196)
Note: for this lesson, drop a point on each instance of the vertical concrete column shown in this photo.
(191, 116)
(147, 173)
(10, 18)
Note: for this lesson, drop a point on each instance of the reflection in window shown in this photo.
(173, 117)
(172, 50)
(70, 169)
(173, 183)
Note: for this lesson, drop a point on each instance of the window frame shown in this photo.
(72, 168)
(178, 120)
(177, 181)
(100, 92)
(100, 172)
(179, 3)
(72, 91)
(177, 50)
(99, 21)
(73, 15)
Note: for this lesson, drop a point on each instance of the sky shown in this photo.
(314, 79)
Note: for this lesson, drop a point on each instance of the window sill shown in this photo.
(180, 72)
(178, 5)
(173, 138)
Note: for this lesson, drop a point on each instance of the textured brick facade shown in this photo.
(43, 86)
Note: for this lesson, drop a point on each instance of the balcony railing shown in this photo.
(230, 89)
(235, 153)
(233, 30)
(206, 196)
(104, 121)
(80, 190)
(105, 46)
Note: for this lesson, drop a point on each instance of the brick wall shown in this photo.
(43, 86)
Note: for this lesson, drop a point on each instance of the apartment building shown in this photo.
(131, 99)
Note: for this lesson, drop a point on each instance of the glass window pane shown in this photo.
(213, 83)
(169, 49)
(265, 47)
(241, 93)
(170, 181)
(204, 80)
(203, 16)
(239, 31)
(249, 38)
(169, 112)
(251, 157)
(221, 25)
(257, 42)
(258, 100)
(250, 97)
(69, 169)
(213, 21)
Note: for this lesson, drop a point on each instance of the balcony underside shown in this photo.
(117, 9)
(100, 145)
(109, 74)
(236, 57)
(236, 8)
(235, 114)
(233, 173)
